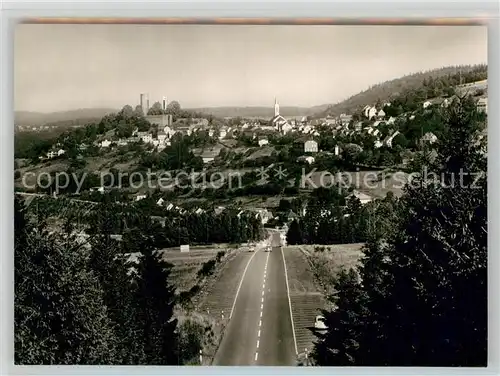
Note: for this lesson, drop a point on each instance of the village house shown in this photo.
(264, 215)
(97, 189)
(482, 105)
(161, 136)
(426, 104)
(388, 139)
(311, 146)
(105, 144)
(160, 201)
(369, 112)
(140, 197)
(208, 156)
(263, 141)
(345, 119)
(429, 138)
(306, 158)
(222, 133)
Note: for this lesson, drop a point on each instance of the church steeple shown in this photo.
(276, 107)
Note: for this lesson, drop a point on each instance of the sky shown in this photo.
(65, 67)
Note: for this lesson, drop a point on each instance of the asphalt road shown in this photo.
(260, 331)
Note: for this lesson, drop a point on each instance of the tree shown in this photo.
(294, 234)
(423, 297)
(156, 109)
(155, 300)
(138, 111)
(173, 108)
(126, 113)
(60, 315)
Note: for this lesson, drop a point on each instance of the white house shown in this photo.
(60, 152)
(377, 144)
(222, 134)
(305, 158)
(263, 141)
(345, 119)
(391, 120)
(310, 146)
(169, 132)
(162, 136)
(426, 104)
(140, 197)
(429, 137)
(381, 114)
(285, 128)
(482, 105)
(160, 201)
(388, 140)
(105, 144)
(370, 112)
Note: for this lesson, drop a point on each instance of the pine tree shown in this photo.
(155, 300)
(294, 234)
(60, 316)
(423, 296)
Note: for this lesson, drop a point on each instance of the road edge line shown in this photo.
(289, 302)
(241, 282)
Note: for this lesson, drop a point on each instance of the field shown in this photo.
(373, 183)
(310, 274)
(186, 265)
(327, 260)
(306, 299)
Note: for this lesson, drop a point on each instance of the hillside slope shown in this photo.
(40, 118)
(264, 112)
(387, 90)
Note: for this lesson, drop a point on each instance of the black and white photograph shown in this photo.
(245, 194)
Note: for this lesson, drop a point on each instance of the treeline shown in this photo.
(419, 297)
(443, 78)
(165, 228)
(334, 217)
(80, 302)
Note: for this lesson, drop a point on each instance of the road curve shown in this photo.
(260, 331)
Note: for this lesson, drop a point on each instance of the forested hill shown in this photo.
(441, 78)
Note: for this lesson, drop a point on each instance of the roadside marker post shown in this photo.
(222, 315)
(201, 358)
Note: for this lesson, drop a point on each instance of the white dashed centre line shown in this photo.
(262, 307)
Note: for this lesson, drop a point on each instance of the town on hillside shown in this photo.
(346, 234)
